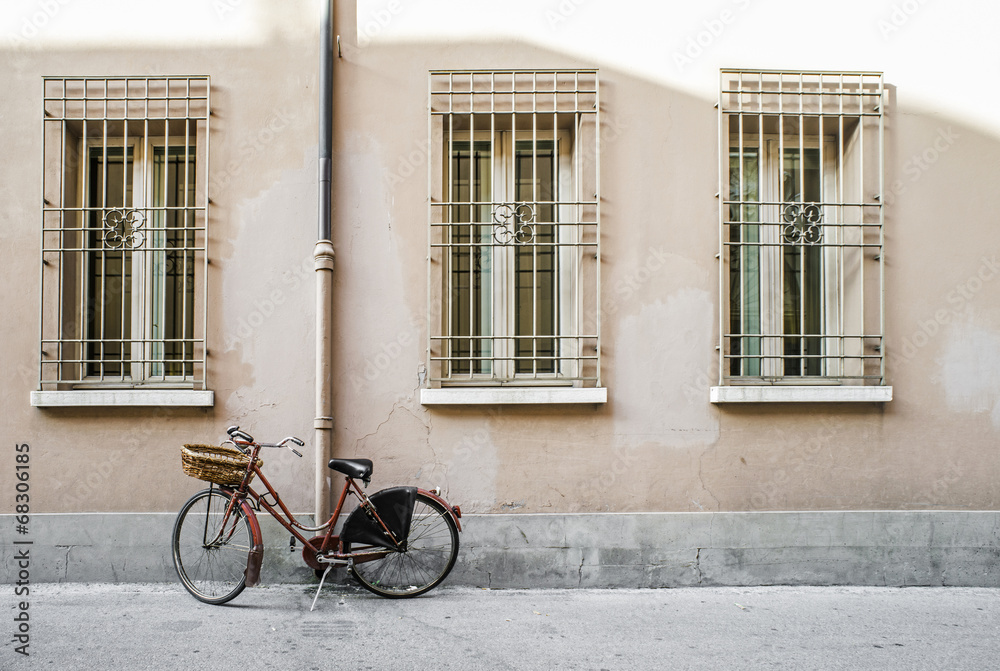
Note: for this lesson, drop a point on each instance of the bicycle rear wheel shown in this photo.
(211, 561)
(431, 550)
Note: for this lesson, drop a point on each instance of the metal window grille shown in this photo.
(514, 239)
(801, 227)
(124, 232)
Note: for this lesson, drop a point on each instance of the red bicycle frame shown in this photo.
(318, 551)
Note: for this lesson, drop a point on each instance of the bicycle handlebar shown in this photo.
(234, 432)
(290, 439)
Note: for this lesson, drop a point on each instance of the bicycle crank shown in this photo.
(315, 561)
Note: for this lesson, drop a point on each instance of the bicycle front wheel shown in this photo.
(431, 550)
(211, 550)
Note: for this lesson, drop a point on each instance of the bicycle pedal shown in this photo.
(291, 544)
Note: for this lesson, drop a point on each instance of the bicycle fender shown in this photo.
(451, 511)
(256, 557)
(254, 562)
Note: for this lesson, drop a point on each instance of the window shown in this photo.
(514, 229)
(801, 228)
(123, 233)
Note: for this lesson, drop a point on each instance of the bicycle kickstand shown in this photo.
(318, 589)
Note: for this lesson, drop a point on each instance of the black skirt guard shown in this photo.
(394, 507)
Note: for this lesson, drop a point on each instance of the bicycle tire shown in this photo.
(213, 572)
(431, 551)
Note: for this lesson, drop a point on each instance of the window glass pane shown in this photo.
(111, 235)
(802, 270)
(800, 176)
(172, 271)
(470, 283)
(744, 261)
(535, 261)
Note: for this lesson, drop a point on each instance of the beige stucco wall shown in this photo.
(262, 231)
(658, 444)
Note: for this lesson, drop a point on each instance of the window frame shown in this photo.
(851, 356)
(148, 120)
(507, 108)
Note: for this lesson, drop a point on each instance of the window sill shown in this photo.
(123, 397)
(513, 395)
(800, 394)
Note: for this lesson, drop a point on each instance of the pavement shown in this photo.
(161, 627)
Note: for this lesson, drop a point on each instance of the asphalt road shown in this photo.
(161, 627)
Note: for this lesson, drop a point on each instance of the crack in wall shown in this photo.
(425, 418)
(358, 441)
(439, 467)
(396, 407)
(65, 576)
(701, 479)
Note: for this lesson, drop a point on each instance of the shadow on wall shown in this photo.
(659, 310)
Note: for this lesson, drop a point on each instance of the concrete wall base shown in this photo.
(894, 548)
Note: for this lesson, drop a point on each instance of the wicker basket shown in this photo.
(215, 463)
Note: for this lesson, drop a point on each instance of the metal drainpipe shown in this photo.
(323, 257)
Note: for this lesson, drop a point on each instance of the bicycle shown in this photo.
(399, 542)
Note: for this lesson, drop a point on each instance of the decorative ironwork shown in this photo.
(512, 223)
(124, 228)
(802, 223)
